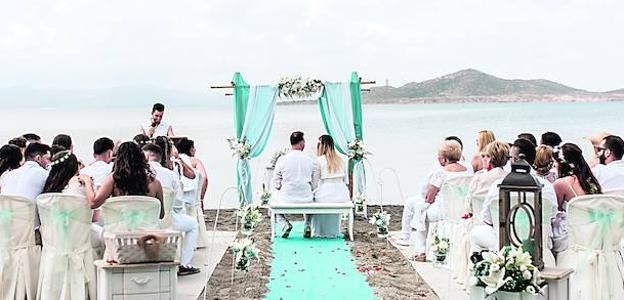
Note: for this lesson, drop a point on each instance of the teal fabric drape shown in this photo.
(359, 173)
(337, 114)
(241, 96)
(256, 130)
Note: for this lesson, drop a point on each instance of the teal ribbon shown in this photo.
(62, 218)
(461, 192)
(5, 214)
(603, 219)
(133, 218)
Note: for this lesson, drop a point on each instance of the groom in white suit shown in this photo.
(296, 175)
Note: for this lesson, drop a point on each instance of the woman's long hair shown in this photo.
(484, 137)
(165, 145)
(131, 172)
(571, 162)
(64, 167)
(10, 158)
(326, 147)
(544, 160)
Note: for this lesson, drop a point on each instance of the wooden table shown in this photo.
(149, 281)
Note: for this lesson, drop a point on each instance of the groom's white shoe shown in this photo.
(402, 242)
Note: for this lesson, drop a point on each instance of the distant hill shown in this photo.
(473, 85)
(620, 91)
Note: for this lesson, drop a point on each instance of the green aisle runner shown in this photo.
(314, 269)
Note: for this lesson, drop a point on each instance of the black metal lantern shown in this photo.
(520, 211)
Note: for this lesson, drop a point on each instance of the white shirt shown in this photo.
(610, 176)
(161, 129)
(296, 175)
(168, 179)
(98, 170)
(548, 194)
(26, 181)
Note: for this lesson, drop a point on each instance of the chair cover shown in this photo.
(67, 271)
(131, 213)
(617, 192)
(453, 192)
(461, 271)
(19, 256)
(595, 228)
(168, 201)
(195, 211)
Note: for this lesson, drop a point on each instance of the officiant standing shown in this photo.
(157, 127)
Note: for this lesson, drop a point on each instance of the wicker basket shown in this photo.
(142, 247)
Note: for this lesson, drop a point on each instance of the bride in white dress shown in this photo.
(332, 188)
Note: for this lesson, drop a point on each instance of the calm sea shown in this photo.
(401, 137)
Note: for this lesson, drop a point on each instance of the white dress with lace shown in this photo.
(332, 189)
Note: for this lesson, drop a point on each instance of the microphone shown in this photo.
(153, 124)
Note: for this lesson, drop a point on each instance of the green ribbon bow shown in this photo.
(62, 218)
(133, 218)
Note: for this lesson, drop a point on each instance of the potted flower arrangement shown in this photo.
(265, 195)
(298, 88)
(359, 200)
(440, 247)
(244, 250)
(239, 147)
(357, 151)
(508, 274)
(250, 217)
(381, 219)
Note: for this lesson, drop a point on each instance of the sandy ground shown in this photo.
(388, 272)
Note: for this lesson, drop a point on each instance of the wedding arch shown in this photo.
(340, 105)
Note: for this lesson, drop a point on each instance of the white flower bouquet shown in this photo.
(440, 247)
(297, 87)
(275, 157)
(240, 148)
(250, 218)
(381, 219)
(359, 200)
(357, 151)
(244, 250)
(265, 195)
(510, 270)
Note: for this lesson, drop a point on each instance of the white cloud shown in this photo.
(190, 44)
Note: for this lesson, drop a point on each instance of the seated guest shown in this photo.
(435, 166)
(132, 176)
(544, 163)
(102, 167)
(495, 158)
(32, 138)
(170, 158)
(550, 138)
(63, 140)
(186, 150)
(528, 136)
(141, 139)
(19, 142)
(181, 222)
(482, 236)
(332, 188)
(29, 179)
(419, 211)
(610, 171)
(10, 159)
(64, 178)
(294, 178)
(595, 140)
(575, 176)
(484, 137)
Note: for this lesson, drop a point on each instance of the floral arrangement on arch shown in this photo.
(244, 251)
(440, 247)
(275, 157)
(296, 87)
(250, 217)
(239, 147)
(357, 151)
(381, 219)
(510, 270)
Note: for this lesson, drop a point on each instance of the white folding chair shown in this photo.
(19, 255)
(168, 200)
(131, 213)
(196, 211)
(595, 228)
(67, 270)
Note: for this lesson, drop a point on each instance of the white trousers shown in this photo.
(417, 211)
(483, 237)
(188, 225)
